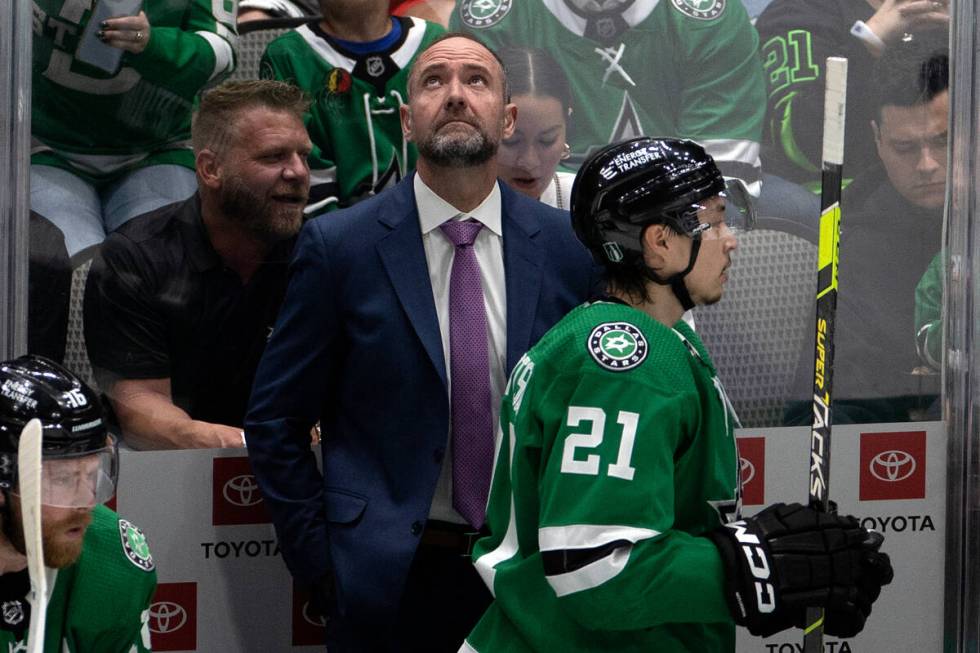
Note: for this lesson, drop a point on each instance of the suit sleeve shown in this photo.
(287, 397)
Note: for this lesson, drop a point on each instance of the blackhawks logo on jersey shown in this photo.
(135, 546)
(617, 346)
(700, 9)
(483, 13)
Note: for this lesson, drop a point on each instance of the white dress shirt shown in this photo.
(439, 255)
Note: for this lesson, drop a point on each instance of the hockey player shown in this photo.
(354, 65)
(686, 68)
(616, 478)
(101, 575)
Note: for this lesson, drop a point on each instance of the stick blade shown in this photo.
(29, 487)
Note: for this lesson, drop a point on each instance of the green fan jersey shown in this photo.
(99, 125)
(616, 454)
(680, 68)
(354, 122)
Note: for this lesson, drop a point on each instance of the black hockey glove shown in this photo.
(789, 557)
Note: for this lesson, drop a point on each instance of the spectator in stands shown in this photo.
(403, 317)
(180, 302)
(49, 289)
(890, 236)
(797, 37)
(683, 68)
(110, 145)
(528, 159)
(354, 64)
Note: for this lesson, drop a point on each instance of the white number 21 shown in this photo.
(570, 464)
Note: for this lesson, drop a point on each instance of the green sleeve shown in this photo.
(929, 312)
(198, 52)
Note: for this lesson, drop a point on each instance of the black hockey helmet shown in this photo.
(71, 415)
(627, 186)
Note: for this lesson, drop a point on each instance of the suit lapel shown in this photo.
(403, 257)
(522, 271)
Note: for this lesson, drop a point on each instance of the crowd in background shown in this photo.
(114, 144)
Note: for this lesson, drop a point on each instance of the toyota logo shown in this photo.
(166, 617)
(242, 491)
(746, 470)
(892, 466)
(313, 620)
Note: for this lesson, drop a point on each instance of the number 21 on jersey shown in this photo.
(574, 462)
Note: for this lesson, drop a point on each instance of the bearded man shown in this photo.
(404, 315)
(180, 302)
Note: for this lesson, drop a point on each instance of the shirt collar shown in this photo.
(433, 210)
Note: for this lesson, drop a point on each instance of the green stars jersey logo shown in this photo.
(700, 9)
(617, 346)
(483, 13)
(135, 546)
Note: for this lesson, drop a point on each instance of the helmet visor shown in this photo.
(80, 481)
(739, 206)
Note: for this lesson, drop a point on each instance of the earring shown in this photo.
(566, 152)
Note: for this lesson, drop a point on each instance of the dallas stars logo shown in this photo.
(483, 13)
(700, 9)
(617, 346)
(135, 546)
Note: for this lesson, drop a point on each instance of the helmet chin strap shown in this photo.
(676, 282)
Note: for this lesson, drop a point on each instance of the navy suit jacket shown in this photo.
(357, 346)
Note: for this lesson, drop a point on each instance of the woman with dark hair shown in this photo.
(528, 160)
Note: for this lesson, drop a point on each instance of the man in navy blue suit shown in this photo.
(380, 339)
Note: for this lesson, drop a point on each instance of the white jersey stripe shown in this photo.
(403, 55)
(591, 575)
(589, 536)
(322, 48)
(508, 547)
(466, 648)
(224, 58)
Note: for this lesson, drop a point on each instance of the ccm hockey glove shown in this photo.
(790, 557)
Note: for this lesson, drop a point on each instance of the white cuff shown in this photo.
(862, 32)
(244, 444)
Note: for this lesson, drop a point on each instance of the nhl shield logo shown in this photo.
(483, 13)
(700, 9)
(617, 346)
(13, 612)
(135, 546)
(606, 28)
(375, 66)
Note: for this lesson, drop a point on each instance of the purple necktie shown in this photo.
(469, 369)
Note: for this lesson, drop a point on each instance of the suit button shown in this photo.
(417, 528)
(437, 455)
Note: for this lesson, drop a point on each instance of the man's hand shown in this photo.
(790, 557)
(896, 18)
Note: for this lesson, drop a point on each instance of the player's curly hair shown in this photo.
(214, 121)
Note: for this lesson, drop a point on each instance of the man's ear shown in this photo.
(405, 113)
(876, 131)
(510, 119)
(208, 168)
(663, 249)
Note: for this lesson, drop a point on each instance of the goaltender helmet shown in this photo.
(73, 427)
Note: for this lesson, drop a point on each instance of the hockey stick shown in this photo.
(835, 99)
(29, 482)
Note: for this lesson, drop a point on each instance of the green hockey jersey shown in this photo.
(100, 604)
(680, 68)
(354, 124)
(616, 453)
(99, 125)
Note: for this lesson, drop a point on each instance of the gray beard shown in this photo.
(449, 152)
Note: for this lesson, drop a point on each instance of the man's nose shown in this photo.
(296, 167)
(929, 159)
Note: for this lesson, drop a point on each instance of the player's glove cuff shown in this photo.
(750, 586)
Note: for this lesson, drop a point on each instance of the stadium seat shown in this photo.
(254, 36)
(76, 354)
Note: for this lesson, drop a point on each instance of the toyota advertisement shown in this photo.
(224, 587)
